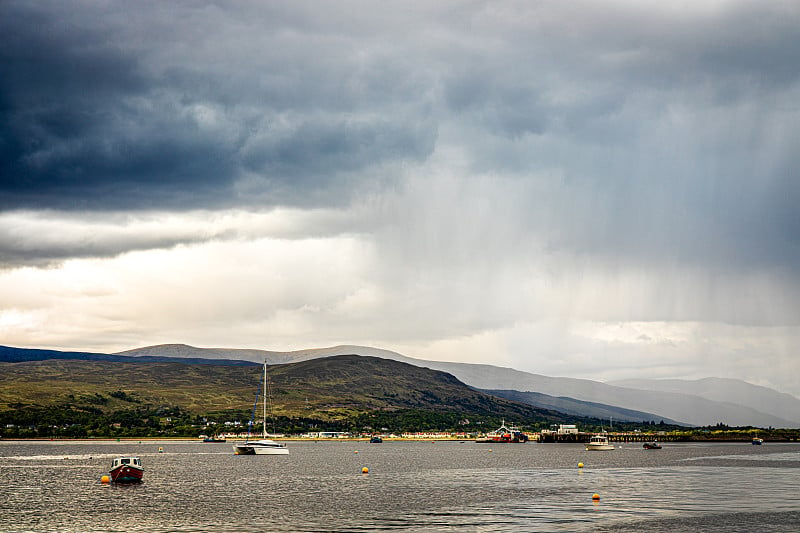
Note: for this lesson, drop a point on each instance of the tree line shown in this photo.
(91, 416)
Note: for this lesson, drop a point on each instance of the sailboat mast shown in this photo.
(264, 426)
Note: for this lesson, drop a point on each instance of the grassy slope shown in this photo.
(332, 386)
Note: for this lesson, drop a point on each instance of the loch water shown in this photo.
(54, 486)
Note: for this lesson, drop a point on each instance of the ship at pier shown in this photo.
(504, 434)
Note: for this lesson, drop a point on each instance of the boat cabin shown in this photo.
(119, 461)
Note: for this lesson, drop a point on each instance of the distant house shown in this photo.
(567, 429)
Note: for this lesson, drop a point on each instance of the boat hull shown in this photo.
(126, 474)
(263, 447)
(599, 447)
(243, 449)
(271, 451)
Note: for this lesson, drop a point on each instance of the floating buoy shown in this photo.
(365, 470)
(490, 449)
(580, 465)
(105, 479)
(160, 449)
(595, 497)
(356, 451)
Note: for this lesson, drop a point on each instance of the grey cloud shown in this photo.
(318, 147)
(83, 126)
(656, 134)
(46, 239)
(91, 120)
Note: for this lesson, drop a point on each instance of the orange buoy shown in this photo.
(105, 479)
(596, 497)
(365, 470)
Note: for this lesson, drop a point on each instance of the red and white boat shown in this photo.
(504, 434)
(126, 470)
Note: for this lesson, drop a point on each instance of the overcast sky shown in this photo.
(590, 189)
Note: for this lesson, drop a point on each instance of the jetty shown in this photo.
(582, 437)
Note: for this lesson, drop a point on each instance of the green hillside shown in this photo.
(340, 391)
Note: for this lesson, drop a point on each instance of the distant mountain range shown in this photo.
(330, 388)
(779, 410)
(701, 402)
(738, 403)
(571, 406)
(9, 354)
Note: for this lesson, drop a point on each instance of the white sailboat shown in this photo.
(263, 446)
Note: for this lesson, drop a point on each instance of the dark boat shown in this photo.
(214, 439)
(651, 446)
(126, 470)
(376, 439)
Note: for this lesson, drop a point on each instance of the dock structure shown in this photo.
(560, 437)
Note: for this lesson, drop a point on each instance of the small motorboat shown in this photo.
(376, 439)
(758, 441)
(214, 439)
(651, 446)
(598, 443)
(126, 470)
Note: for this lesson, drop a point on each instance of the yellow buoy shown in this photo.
(580, 465)
(105, 479)
(365, 470)
(596, 497)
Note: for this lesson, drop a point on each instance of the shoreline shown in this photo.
(363, 439)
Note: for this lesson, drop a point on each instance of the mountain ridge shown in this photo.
(687, 409)
(327, 388)
(572, 406)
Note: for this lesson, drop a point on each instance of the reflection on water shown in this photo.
(419, 486)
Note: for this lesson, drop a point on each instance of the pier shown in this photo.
(612, 437)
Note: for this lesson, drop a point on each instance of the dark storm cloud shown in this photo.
(99, 111)
(83, 124)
